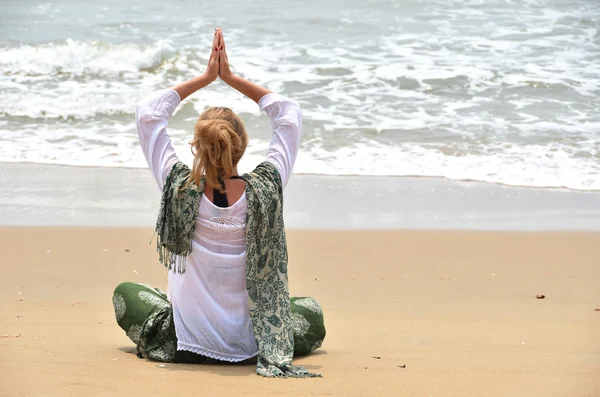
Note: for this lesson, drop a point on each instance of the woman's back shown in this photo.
(222, 230)
(210, 300)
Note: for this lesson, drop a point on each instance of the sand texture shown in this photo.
(408, 313)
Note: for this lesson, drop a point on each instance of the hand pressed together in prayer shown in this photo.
(218, 66)
(218, 63)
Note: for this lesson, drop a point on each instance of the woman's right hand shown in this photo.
(224, 71)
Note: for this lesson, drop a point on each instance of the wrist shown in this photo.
(206, 78)
(229, 79)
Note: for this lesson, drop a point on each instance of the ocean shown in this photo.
(498, 91)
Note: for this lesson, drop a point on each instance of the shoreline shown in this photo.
(434, 177)
(46, 195)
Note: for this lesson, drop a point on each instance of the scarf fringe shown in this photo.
(177, 208)
(169, 258)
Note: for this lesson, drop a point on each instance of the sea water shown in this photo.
(498, 91)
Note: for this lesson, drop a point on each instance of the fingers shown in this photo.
(223, 61)
(214, 56)
(219, 33)
(215, 40)
(218, 57)
(221, 44)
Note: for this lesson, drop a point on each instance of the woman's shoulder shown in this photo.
(264, 187)
(265, 172)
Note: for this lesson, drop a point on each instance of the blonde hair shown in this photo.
(219, 142)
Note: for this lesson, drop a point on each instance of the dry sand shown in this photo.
(408, 313)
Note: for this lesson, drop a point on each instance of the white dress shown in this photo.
(210, 300)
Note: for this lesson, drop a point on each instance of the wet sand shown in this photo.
(50, 195)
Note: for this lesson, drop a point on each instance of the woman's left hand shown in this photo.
(212, 70)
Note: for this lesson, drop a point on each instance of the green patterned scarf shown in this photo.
(266, 258)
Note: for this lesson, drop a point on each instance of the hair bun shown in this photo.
(213, 124)
(220, 140)
(216, 132)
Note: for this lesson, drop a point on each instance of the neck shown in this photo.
(234, 173)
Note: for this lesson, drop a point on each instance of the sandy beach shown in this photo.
(408, 313)
(444, 207)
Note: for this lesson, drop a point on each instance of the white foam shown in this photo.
(80, 58)
(551, 165)
(535, 165)
(456, 89)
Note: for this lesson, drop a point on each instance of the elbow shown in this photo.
(295, 109)
(296, 114)
(139, 111)
(144, 124)
(141, 108)
(291, 117)
(143, 113)
(287, 124)
(145, 107)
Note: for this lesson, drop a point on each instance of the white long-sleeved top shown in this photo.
(210, 300)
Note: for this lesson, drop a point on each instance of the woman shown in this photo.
(223, 237)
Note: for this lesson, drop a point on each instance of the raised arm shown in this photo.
(285, 115)
(152, 117)
(286, 123)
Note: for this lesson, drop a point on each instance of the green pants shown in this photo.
(146, 315)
